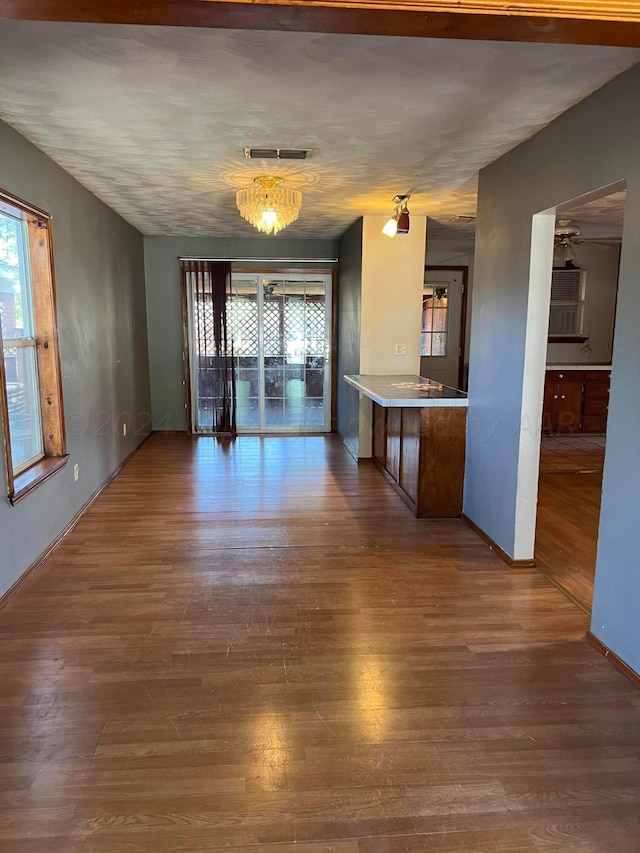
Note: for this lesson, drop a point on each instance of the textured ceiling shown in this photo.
(603, 216)
(153, 120)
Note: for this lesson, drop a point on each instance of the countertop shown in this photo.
(578, 367)
(406, 391)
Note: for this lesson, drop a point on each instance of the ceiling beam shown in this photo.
(603, 22)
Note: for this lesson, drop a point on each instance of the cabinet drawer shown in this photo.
(565, 375)
(597, 392)
(595, 376)
(596, 407)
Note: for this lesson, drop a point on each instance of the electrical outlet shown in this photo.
(401, 349)
(76, 472)
(124, 428)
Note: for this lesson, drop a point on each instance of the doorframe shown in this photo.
(260, 270)
(535, 365)
(333, 336)
(186, 360)
(463, 310)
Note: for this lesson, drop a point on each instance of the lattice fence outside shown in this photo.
(273, 343)
(242, 314)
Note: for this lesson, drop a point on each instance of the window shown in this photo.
(30, 388)
(566, 315)
(435, 314)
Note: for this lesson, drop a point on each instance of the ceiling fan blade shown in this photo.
(614, 241)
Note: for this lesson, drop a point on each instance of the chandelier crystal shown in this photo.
(268, 206)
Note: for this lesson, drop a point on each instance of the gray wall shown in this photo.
(99, 268)
(349, 304)
(164, 305)
(593, 145)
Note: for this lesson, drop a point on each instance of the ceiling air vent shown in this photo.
(276, 153)
(461, 217)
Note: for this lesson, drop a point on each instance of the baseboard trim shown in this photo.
(27, 575)
(624, 668)
(579, 604)
(513, 564)
(350, 450)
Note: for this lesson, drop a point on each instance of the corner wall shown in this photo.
(561, 162)
(99, 272)
(349, 311)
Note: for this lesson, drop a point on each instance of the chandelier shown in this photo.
(268, 206)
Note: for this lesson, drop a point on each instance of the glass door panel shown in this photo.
(274, 352)
(243, 313)
(281, 327)
(295, 321)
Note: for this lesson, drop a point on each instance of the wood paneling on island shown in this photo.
(421, 452)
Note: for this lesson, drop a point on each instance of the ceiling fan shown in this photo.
(567, 235)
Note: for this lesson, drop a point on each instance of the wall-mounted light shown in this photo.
(399, 222)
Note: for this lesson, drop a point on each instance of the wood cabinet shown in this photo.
(421, 453)
(596, 401)
(562, 411)
(575, 401)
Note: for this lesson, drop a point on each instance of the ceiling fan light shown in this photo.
(564, 254)
(566, 228)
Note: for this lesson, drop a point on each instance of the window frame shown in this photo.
(429, 311)
(580, 305)
(43, 300)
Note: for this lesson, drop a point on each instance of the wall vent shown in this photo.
(463, 218)
(276, 153)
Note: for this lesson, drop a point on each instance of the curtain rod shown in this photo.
(268, 260)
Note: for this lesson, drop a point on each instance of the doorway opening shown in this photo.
(281, 328)
(444, 317)
(586, 259)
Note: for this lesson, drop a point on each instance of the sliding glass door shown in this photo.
(281, 331)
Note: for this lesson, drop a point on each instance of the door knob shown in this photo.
(555, 396)
(562, 397)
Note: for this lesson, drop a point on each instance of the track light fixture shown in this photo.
(399, 222)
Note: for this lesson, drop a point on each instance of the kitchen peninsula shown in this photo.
(418, 440)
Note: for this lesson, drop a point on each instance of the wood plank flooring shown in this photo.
(255, 647)
(569, 497)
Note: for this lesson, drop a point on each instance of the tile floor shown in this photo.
(572, 453)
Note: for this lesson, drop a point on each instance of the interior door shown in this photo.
(282, 343)
(440, 340)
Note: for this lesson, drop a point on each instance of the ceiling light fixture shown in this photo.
(267, 205)
(565, 236)
(399, 222)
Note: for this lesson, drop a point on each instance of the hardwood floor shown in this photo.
(569, 498)
(255, 647)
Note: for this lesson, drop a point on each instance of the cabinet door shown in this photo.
(394, 427)
(379, 434)
(596, 401)
(569, 407)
